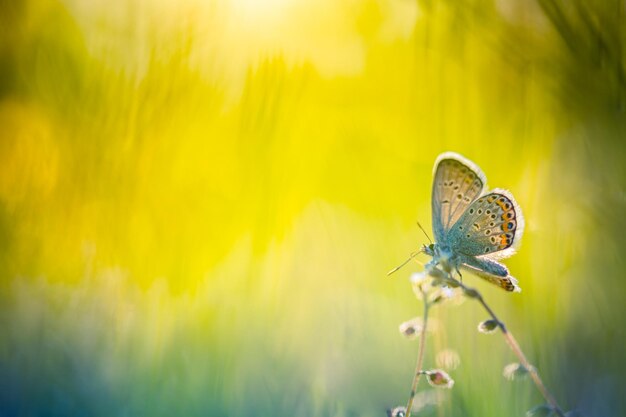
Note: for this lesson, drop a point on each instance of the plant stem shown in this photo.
(420, 357)
(517, 350)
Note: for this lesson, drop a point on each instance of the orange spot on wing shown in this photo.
(502, 205)
(507, 215)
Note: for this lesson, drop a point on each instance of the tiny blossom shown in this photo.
(397, 412)
(412, 328)
(439, 379)
(423, 284)
(514, 371)
(448, 359)
(418, 278)
(471, 293)
(447, 292)
(487, 326)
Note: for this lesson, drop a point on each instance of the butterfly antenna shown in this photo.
(413, 255)
(427, 237)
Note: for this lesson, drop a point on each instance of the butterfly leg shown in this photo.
(458, 271)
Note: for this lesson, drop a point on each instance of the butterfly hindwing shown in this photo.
(457, 183)
(506, 282)
(491, 227)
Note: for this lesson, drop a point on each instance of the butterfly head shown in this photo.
(441, 254)
(429, 249)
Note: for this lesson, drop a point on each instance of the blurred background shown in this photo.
(199, 201)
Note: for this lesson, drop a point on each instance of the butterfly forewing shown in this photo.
(490, 226)
(457, 183)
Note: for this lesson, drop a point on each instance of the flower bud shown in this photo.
(514, 371)
(488, 326)
(439, 379)
(418, 278)
(410, 329)
(441, 294)
(471, 293)
(396, 412)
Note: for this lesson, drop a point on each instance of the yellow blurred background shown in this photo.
(199, 201)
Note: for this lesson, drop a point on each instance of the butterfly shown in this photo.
(473, 228)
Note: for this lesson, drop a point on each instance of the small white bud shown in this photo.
(514, 371)
(487, 326)
(410, 329)
(418, 278)
(397, 412)
(439, 379)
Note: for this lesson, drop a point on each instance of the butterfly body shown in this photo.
(473, 228)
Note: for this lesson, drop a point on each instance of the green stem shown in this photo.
(512, 342)
(420, 357)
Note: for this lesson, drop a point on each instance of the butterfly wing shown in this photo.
(491, 227)
(490, 270)
(457, 183)
(507, 283)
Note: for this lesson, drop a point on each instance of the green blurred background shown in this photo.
(199, 201)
